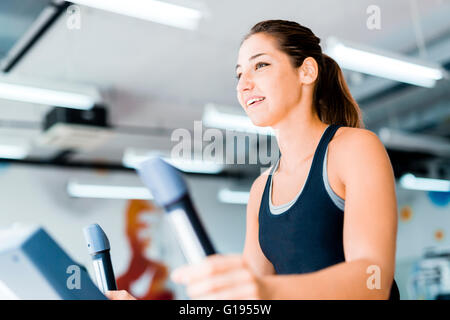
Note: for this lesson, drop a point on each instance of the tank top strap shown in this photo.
(317, 164)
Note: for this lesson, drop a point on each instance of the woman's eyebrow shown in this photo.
(251, 58)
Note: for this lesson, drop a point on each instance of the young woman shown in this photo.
(322, 222)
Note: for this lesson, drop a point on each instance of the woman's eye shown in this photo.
(258, 65)
(261, 64)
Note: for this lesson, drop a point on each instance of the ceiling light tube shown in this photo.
(384, 64)
(195, 166)
(13, 152)
(409, 181)
(79, 190)
(402, 140)
(132, 158)
(152, 10)
(25, 93)
(235, 197)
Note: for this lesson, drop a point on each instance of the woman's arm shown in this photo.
(370, 227)
(253, 255)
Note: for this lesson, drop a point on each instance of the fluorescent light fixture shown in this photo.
(80, 190)
(213, 117)
(132, 159)
(152, 10)
(384, 64)
(13, 152)
(234, 197)
(198, 166)
(33, 94)
(401, 140)
(409, 181)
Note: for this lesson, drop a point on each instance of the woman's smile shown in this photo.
(252, 103)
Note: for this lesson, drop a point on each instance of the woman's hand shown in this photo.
(119, 295)
(221, 277)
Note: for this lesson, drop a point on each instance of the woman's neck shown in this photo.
(298, 136)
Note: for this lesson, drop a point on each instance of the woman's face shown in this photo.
(265, 73)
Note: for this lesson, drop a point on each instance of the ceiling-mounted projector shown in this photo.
(66, 128)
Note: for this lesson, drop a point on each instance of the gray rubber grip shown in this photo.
(164, 181)
(96, 239)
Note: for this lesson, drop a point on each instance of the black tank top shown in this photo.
(308, 236)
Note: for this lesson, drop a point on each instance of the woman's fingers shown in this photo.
(218, 277)
(119, 295)
(212, 265)
(219, 282)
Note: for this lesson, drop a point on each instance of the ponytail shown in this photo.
(334, 103)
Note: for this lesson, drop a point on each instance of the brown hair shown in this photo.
(332, 101)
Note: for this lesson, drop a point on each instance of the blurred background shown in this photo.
(88, 88)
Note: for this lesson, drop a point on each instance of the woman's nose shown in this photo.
(245, 83)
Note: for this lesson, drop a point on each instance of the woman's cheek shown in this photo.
(238, 96)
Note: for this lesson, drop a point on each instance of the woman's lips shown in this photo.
(255, 104)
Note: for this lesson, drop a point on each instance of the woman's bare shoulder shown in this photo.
(352, 139)
(257, 188)
(356, 147)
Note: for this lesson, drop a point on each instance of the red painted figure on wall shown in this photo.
(140, 265)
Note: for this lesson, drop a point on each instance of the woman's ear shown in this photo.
(309, 71)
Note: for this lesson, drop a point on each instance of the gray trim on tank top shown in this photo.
(338, 201)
